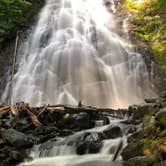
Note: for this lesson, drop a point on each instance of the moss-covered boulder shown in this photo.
(161, 117)
(140, 161)
(133, 149)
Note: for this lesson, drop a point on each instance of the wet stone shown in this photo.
(89, 143)
(112, 132)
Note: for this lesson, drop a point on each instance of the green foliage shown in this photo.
(14, 15)
(149, 24)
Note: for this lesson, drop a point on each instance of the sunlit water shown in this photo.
(75, 54)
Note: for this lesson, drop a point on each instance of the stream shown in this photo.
(91, 147)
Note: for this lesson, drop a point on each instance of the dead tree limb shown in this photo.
(34, 119)
(4, 108)
(120, 145)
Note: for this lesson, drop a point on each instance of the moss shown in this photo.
(148, 23)
(161, 118)
(15, 16)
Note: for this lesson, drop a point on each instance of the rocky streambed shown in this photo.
(96, 135)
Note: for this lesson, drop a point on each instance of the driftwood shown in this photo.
(35, 112)
(120, 145)
(43, 110)
(4, 108)
(34, 119)
(14, 109)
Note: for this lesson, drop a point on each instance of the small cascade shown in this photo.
(68, 151)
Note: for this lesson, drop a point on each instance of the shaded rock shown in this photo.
(112, 132)
(16, 138)
(131, 121)
(65, 132)
(106, 121)
(133, 149)
(16, 156)
(81, 121)
(3, 156)
(49, 117)
(140, 161)
(163, 95)
(139, 111)
(5, 115)
(2, 143)
(21, 124)
(89, 143)
(6, 123)
(151, 100)
(161, 118)
(131, 129)
(10, 156)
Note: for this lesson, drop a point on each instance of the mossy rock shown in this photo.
(140, 161)
(132, 150)
(161, 117)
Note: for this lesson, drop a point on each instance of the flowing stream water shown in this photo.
(62, 152)
(75, 54)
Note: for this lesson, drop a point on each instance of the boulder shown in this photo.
(140, 161)
(106, 121)
(139, 111)
(112, 132)
(133, 149)
(151, 100)
(78, 121)
(163, 95)
(10, 156)
(161, 118)
(16, 138)
(89, 143)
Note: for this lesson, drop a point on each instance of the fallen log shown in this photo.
(43, 110)
(14, 109)
(120, 145)
(4, 108)
(34, 119)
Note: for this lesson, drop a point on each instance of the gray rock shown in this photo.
(81, 121)
(133, 149)
(140, 161)
(17, 139)
(89, 143)
(151, 100)
(112, 132)
(161, 117)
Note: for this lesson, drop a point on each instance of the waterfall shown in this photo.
(75, 54)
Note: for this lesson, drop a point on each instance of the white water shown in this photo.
(63, 152)
(75, 54)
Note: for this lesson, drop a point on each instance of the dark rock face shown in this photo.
(132, 150)
(112, 132)
(16, 138)
(11, 156)
(89, 143)
(81, 121)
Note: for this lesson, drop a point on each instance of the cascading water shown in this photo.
(75, 54)
(63, 152)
